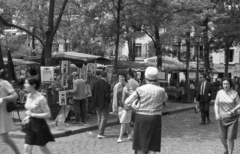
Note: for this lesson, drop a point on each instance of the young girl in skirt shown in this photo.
(38, 132)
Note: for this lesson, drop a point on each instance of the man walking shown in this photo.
(79, 98)
(133, 83)
(101, 100)
(204, 97)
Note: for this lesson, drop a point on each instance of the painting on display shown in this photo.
(88, 90)
(62, 98)
(83, 72)
(64, 80)
(64, 67)
(91, 67)
(47, 74)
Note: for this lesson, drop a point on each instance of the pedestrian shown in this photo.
(101, 100)
(204, 98)
(38, 132)
(148, 123)
(226, 105)
(79, 98)
(7, 93)
(120, 92)
(134, 84)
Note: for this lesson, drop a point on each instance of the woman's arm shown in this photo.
(237, 100)
(216, 108)
(114, 104)
(131, 98)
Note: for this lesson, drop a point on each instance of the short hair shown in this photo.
(98, 72)
(205, 76)
(34, 80)
(124, 74)
(131, 74)
(229, 81)
(104, 74)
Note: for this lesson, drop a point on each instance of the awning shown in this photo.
(18, 62)
(76, 58)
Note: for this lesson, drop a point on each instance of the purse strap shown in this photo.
(20, 121)
(138, 98)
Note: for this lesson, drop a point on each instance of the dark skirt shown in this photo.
(228, 127)
(38, 132)
(147, 133)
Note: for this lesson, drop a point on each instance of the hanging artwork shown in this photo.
(64, 67)
(47, 74)
(83, 72)
(62, 98)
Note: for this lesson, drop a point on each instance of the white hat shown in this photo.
(74, 73)
(151, 73)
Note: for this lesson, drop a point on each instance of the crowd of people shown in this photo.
(131, 101)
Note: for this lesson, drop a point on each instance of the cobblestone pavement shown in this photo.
(182, 134)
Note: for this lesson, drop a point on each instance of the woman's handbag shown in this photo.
(136, 104)
(11, 106)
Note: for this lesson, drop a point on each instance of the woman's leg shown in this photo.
(151, 152)
(45, 149)
(230, 146)
(224, 142)
(28, 149)
(122, 131)
(140, 152)
(130, 133)
(10, 142)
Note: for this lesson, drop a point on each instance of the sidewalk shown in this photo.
(69, 128)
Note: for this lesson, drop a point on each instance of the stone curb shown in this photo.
(68, 132)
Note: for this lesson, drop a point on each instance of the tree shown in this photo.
(226, 29)
(37, 11)
(154, 17)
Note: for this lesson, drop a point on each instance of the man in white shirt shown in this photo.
(132, 81)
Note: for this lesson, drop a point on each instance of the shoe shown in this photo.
(226, 152)
(101, 136)
(202, 123)
(119, 140)
(76, 122)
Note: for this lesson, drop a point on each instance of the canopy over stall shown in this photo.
(18, 62)
(122, 64)
(168, 63)
(80, 58)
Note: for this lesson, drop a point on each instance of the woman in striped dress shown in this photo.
(226, 105)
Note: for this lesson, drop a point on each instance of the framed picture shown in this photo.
(47, 74)
(62, 98)
(192, 75)
(64, 67)
(88, 90)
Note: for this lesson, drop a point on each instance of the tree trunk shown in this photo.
(206, 46)
(157, 46)
(187, 65)
(48, 52)
(227, 54)
(118, 35)
(134, 50)
(130, 49)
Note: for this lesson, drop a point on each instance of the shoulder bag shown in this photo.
(11, 106)
(136, 104)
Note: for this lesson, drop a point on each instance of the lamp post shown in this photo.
(197, 39)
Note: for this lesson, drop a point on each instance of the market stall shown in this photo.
(85, 65)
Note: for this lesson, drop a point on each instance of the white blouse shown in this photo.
(37, 103)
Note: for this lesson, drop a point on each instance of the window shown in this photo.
(138, 50)
(231, 55)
